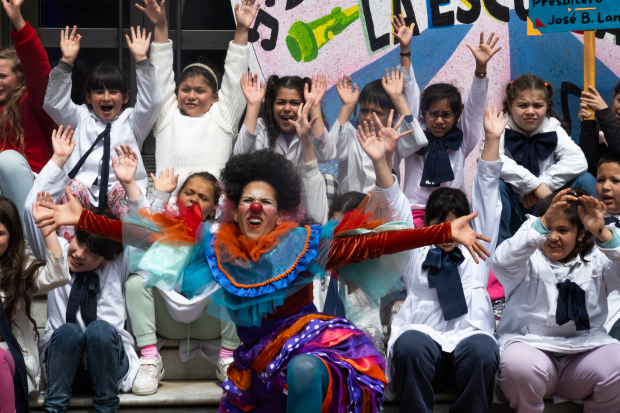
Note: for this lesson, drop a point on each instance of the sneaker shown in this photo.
(222, 368)
(150, 373)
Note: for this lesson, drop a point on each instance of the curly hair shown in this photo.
(17, 277)
(571, 214)
(266, 166)
(274, 84)
(532, 82)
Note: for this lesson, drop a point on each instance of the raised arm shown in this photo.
(589, 140)
(411, 90)
(57, 102)
(254, 93)
(149, 96)
(605, 117)
(125, 171)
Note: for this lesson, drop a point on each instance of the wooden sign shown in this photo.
(574, 15)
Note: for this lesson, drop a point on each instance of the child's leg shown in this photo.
(80, 192)
(62, 358)
(141, 311)
(585, 181)
(475, 362)
(512, 218)
(117, 201)
(417, 364)
(107, 363)
(526, 375)
(16, 178)
(418, 218)
(594, 377)
(7, 374)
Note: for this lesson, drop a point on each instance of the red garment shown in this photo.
(37, 124)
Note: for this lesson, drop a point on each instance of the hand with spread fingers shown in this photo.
(470, 239)
(69, 45)
(167, 181)
(59, 215)
(593, 217)
(557, 207)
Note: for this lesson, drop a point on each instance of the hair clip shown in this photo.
(546, 84)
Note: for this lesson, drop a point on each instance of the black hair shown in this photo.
(275, 83)
(217, 190)
(532, 82)
(344, 203)
(214, 82)
(104, 247)
(613, 157)
(617, 89)
(373, 93)
(443, 201)
(266, 166)
(571, 214)
(106, 75)
(438, 92)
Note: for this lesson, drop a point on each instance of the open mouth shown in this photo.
(554, 247)
(607, 199)
(75, 263)
(107, 109)
(286, 119)
(255, 222)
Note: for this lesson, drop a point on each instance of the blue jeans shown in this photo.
(106, 362)
(16, 179)
(421, 368)
(513, 212)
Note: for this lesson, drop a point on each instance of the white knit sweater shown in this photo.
(204, 143)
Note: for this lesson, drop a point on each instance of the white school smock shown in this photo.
(613, 300)
(529, 279)
(471, 123)
(324, 147)
(203, 143)
(112, 277)
(355, 169)
(421, 310)
(54, 274)
(130, 127)
(565, 163)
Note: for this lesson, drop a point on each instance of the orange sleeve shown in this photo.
(102, 226)
(357, 248)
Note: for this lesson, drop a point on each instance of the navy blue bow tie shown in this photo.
(437, 167)
(443, 275)
(611, 220)
(83, 294)
(105, 165)
(572, 305)
(527, 150)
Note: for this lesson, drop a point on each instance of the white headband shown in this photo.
(217, 86)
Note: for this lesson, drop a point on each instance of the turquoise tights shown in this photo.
(308, 380)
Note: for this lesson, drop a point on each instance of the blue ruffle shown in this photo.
(269, 266)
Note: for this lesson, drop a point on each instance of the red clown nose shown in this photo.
(256, 208)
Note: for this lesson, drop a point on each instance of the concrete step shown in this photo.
(204, 395)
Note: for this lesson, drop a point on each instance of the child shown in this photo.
(156, 308)
(451, 130)
(197, 124)
(276, 128)
(25, 128)
(86, 347)
(551, 336)
(442, 337)
(21, 277)
(532, 172)
(600, 136)
(104, 122)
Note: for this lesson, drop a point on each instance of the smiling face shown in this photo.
(608, 186)
(199, 190)
(8, 81)
(5, 237)
(81, 259)
(529, 110)
(562, 240)
(440, 126)
(252, 222)
(195, 96)
(615, 107)
(285, 107)
(447, 246)
(367, 109)
(107, 103)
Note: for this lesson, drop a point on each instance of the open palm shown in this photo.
(125, 169)
(401, 32)
(486, 50)
(349, 93)
(494, 123)
(253, 94)
(66, 214)
(156, 13)
(246, 12)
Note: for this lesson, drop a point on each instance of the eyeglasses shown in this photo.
(446, 116)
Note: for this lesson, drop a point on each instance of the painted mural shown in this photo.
(336, 37)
